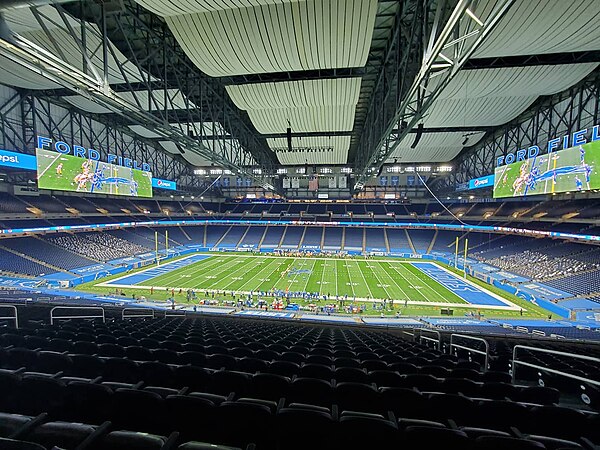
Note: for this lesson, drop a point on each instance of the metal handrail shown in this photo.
(486, 353)
(175, 313)
(15, 317)
(137, 313)
(408, 333)
(515, 362)
(86, 308)
(438, 340)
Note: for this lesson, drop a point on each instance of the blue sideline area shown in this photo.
(464, 290)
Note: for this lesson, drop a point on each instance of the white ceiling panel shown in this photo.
(191, 157)
(307, 106)
(170, 146)
(13, 74)
(22, 20)
(86, 104)
(176, 7)
(533, 27)
(483, 111)
(315, 119)
(312, 150)
(175, 100)
(145, 132)
(286, 94)
(273, 36)
(433, 147)
(515, 81)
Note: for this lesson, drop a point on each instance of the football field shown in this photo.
(352, 279)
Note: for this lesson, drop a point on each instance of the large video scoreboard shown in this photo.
(57, 171)
(570, 170)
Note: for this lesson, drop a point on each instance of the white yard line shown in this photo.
(414, 288)
(365, 280)
(374, 272)
(308, 277)
(257, 276)
(237, 269)
(349, 277)
(394, 281)
(335, 272)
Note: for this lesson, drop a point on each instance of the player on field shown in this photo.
(81, 179)
(59, 170)
(578, 183)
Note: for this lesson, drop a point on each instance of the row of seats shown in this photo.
(273, 383)
(277, 385)
(235, 420)
(21, 432)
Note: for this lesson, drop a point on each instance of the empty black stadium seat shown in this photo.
(13, 444)
(359, 430)
(503, 443)
(436, 437)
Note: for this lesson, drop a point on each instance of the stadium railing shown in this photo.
(544, 368)
(14, 317)
(486, 353)
(138, 313)
(89, 312)
(437, 341)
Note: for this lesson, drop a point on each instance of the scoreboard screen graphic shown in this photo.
(570, 170)
(57, 171)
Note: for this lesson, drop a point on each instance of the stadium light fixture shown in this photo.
(471, 197)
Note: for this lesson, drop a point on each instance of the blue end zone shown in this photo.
(148, 274)
(12, 282)
(453, 283)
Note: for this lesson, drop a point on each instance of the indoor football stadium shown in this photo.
(299, 224)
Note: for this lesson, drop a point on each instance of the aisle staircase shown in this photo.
(263, 237)
(432, 243)
(410, 242)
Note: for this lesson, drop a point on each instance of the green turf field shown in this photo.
(60, 172)
(354, 278)
(413, 292)
(567, 170)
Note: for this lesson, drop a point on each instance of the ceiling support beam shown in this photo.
(349, 133)
(15, 4)
(550, 59)
(451, 43)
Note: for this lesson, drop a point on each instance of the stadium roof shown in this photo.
(314, 66)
